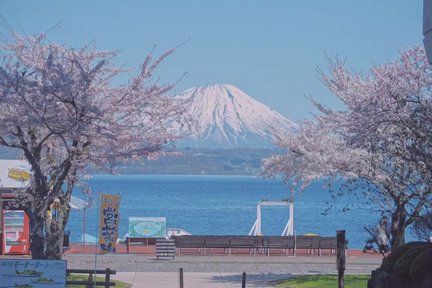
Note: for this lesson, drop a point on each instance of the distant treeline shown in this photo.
(239, 161)
(193, 161)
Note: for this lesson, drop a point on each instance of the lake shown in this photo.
(222, 205)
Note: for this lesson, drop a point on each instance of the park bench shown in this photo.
(287, 243)
(257, 243)
(190, 241)
(310, 243)
(327, 243)
(217, 242)
(131, 241)
(165, 248)
(226, 242)
(317, 243)
(252, 243)
(90, 282)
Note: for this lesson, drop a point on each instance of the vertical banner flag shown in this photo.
(109, 222)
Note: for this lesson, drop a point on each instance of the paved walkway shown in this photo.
(217, 271)
(197, 280)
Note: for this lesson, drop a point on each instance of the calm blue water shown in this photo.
(221, 205)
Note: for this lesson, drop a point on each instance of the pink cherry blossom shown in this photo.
(60, 108)
(382, 138)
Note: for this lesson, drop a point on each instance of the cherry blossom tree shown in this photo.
(379, 143)
(422, 227)
(59, 107)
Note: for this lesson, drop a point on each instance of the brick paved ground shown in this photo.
(217, 270)
(221, 271)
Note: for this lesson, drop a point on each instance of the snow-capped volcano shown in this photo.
(228, 117)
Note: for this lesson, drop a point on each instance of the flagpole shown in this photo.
(84, 229)
(97, 237)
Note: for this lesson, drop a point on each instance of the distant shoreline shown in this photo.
(179, 175)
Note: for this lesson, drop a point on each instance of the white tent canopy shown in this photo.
(77, 203)
(88, 239)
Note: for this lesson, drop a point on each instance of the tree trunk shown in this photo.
(55, 233)
(398, 226)
(37, 239)
(47, 233)
(54, 245)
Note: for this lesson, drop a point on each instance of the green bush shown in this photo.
(390, 261)
(402, 265)
(421, 264)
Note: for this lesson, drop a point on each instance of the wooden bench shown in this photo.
(317, 243)
(287, 243)
(142, 240)
(190, 241)
(310, 243)
(253, 243)
(327, 243)
(226, 242)
(217, 242)
(90, 283)
(257, 243)
(165, 248)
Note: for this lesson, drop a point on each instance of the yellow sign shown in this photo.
(109, 222)
(19, 174)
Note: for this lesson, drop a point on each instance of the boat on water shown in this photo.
(176, 232)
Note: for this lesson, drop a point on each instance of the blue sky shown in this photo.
(269, 49)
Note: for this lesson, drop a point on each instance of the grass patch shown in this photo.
(324, 281)
(75, 277)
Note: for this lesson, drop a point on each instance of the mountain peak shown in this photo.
(228, 117)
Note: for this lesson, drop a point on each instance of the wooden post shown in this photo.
(90, 280)
(340, 257)
(1, 226)
(244, 280)
(107, 277)
(181, 277)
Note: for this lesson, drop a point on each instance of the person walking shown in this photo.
(382, 236)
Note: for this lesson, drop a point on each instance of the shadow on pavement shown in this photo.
(253, 280)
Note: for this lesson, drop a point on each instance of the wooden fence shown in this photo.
(90, 282)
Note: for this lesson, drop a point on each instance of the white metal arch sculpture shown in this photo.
(289, 227)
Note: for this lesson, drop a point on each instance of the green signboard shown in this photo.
(151, 227)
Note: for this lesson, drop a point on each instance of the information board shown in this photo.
(151, 227)
(32, 273)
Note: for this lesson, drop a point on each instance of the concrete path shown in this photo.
(217, 271)
(196, 280)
